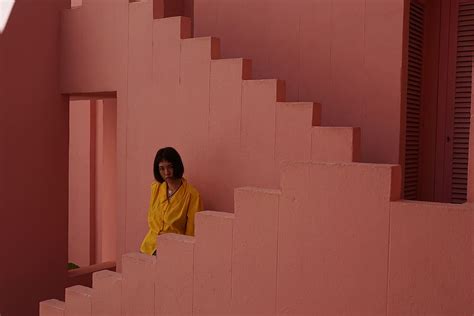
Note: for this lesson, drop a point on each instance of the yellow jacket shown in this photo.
(175, 215)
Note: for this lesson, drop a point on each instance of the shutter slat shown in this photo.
(462, 102)
(414, 92)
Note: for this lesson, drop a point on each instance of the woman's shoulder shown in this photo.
(155, 185)
(191, 189)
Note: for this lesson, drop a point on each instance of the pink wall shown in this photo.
(33, 159)
(232, 131)
(345, 54)
(430, 268)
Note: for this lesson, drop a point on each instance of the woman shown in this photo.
(173, 201)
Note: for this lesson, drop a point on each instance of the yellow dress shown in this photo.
(173, 215)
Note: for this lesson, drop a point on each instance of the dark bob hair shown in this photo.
(171, 155)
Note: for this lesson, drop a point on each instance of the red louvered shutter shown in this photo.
(462, 103)
(413, 110)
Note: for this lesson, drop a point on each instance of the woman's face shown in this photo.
(166, 169)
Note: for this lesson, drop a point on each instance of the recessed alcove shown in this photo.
(92, 235)
(440, 44)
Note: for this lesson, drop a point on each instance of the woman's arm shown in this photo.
(195, 205)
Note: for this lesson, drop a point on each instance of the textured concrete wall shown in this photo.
(33, 159)
(321, 227)
(345, 54)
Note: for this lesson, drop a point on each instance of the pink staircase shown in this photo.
(321, 245)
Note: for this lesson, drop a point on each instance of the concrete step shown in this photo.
(178, 27)
(52, 307)
(335, 144)
(293, 130)
(138, 284)
(254, 251)
(197, 49)
(107, 293)
(333, 237)
(225, 110)
(213, 263)
(167, 36)
(78, 301)
(258, 126)
(174, 275)
(226, 100)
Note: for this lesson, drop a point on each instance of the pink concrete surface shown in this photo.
(193, 103)
(78, 301)
(254, 251)
(333, 238)
(224, 121)
(335, 144)
(174, 275)
(33, 159)
(106, 293)
(322, 244)
(213, 263)
(293, 130)
(307, 44)
(52, 307)
(185, 82)
(138, 284)
(79, 182)
(430, 268)
(257, 135)
(140, 76)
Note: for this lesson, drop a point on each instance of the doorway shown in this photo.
(92, 180)
(440, 48)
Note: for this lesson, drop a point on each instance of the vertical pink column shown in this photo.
(142, 120)
(174, 275)
(106, 180)
(107, 293)
(193, 105)
(109, 193)
(258, 130)
(213, 263)
(294, 122)
(138, 285)
(78, 301)
(99, 179)
(79, 181)
(254, 251)
(167, 35)
(52, 307)
(225, 110)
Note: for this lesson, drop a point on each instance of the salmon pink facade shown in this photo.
(292, 121)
